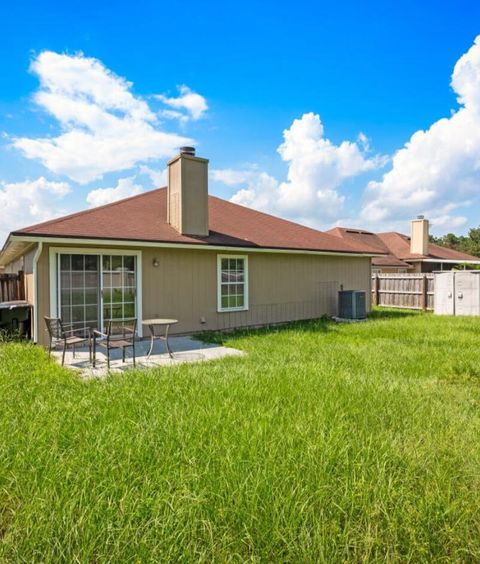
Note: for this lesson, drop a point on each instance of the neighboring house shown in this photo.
(406, 254)
(177, 252)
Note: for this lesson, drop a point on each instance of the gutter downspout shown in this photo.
(38, 252)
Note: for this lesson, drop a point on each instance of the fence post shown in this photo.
(424, 292)
(21, 285)
(375, 289)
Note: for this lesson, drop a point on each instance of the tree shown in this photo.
(472, 243)
(469, 244)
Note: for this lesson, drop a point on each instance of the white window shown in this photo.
(232, 273)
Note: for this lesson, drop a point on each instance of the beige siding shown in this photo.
(29, 288)
(393, 270)
(43, 295)
(417, 267)
(15, 266)
(28, 261)
(282, 287)
(28, 275)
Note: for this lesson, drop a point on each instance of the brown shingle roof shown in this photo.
(396, 247)
(372, 240)
(143, 218)
(399, 244)
(390, 260)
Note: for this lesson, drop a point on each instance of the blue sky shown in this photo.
(380, 69)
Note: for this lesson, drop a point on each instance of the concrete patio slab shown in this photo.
(185, 350)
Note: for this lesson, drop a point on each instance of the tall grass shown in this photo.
(325, 443)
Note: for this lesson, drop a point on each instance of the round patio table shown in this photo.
(152, 323)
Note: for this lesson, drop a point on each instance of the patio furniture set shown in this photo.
(119, 334)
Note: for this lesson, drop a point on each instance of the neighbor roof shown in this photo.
(143, 218)
(396, 248)
(399, 245)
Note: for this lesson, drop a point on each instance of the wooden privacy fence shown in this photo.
(409, 291)
(12, 287)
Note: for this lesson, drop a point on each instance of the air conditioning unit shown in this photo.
(352, 304)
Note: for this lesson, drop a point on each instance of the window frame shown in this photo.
(54, 274)
(60, 306)
(245, 306)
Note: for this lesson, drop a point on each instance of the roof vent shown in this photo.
(187, 151)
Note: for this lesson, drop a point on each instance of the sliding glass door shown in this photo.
(79, 291)
(95, 288)
(119, 289)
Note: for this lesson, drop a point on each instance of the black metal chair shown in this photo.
(119, 334)
(67, 337)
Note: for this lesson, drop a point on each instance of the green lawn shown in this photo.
(326, 443)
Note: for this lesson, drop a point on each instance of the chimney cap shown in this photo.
(187, 151)
(420, 216)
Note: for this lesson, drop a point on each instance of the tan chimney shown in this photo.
(419, 236)
(187, 193)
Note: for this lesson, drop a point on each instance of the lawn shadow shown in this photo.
(394, 313)
(321, 325)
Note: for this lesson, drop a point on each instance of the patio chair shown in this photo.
(58, 334)
(119, 334)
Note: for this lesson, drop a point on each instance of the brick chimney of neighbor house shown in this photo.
(187, 193)
(419, 236)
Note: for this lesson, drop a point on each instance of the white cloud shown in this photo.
(436, 167)
(259, 193)
(194, 104)
(316, 169)
(232, 177)
(157, 177)
(30, 202)
(174, 114)
(105, 127)
(125, 188)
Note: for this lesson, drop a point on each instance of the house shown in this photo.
(178, 252)
(406, 254)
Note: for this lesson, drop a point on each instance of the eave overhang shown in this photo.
(16, 242)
